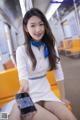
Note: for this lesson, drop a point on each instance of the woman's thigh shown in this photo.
(60, 110)
(15, 113)
(43, 114)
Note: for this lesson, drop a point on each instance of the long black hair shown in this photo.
(48, 38)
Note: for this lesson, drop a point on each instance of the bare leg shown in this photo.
(43, 114)
(60, 110)
(15, 113)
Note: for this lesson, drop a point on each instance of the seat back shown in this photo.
(53, 83)
(51, 77)
(9, 85)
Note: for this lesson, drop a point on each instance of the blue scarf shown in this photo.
(39, 44)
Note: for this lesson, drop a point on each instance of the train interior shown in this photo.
(64, 19)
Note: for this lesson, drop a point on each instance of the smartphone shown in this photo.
(25, 103)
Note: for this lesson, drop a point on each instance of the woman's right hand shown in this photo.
(24, 86)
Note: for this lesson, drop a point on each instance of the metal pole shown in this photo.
(8, 38)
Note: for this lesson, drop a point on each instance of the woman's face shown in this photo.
(35, 27)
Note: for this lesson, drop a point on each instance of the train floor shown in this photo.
(71, 69)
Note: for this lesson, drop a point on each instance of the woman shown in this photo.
(34, 59)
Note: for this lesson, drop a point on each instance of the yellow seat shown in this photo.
(75, 46)
(9, 85)
(52, 81)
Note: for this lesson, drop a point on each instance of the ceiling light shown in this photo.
(52, 8)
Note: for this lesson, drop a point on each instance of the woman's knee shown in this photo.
(60, 110)
(68, 116)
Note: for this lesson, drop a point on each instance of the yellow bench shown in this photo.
(9, 85)
(74, 46)
(70, 46)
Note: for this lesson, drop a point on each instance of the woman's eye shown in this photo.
(32, 25)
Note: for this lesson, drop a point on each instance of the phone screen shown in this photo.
(25, 103)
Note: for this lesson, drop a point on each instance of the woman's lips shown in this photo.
(38, 35)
